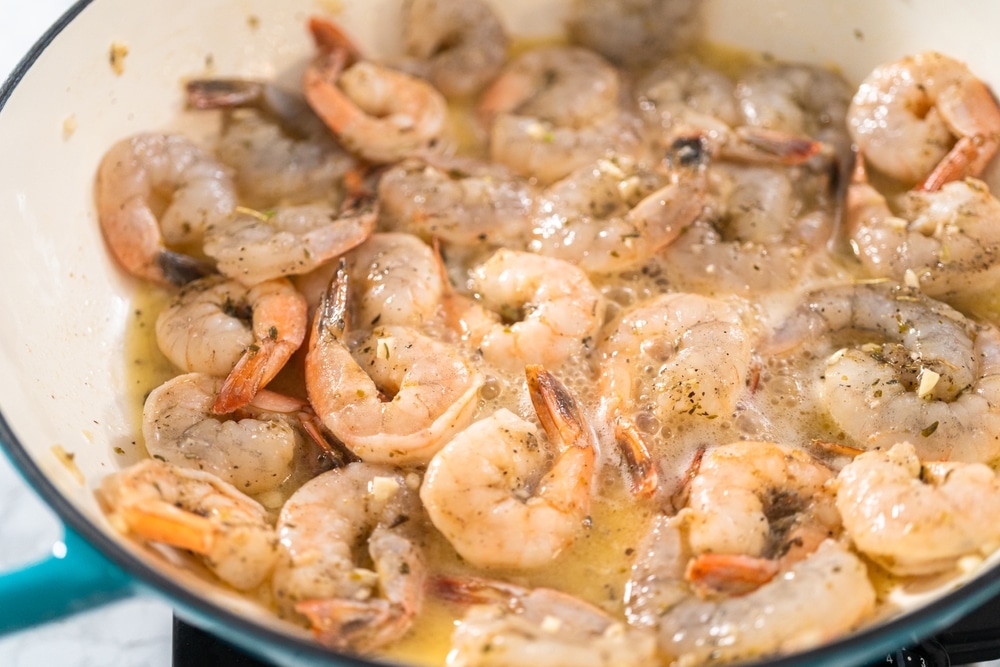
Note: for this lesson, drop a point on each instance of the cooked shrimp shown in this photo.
(677, 356)
(462, 43)
(901, 366)
(499, 497)
(551, 310)
(946, 238)
(552, 110)
(376, 112)
(253, 449)
(254, 246)
(635, 32)
(219, 327)
(816, 599)
(925, 119)
(322, 528)
(458, 201)
(512, 626)
(916, 518)
(193, 510)
(280, 151)
(133, 175)
(613, 215)
(393, 395)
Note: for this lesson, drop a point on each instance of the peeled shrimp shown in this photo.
(816, 599)
(460, 43)
(918, 518)
(349, 604)
(946, 238)
(254, 246)
(219, 327)
(132, 175)
(925, 119)
(901, 366)
(253, 449)
(393, 395)
(551, 308)
(499, 497)
(613, 215)
(513, 626)
(193, 510)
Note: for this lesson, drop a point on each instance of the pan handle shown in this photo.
(73, 578)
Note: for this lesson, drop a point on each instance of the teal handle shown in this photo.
(75, 577)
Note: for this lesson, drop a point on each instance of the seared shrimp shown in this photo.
(458, 201)
(193, 510)
(816, 599)
(137, 171)
(459, 44)
(925, 119)
(613, 215)
(513, 626)
(376, 112)
(253, 449)
(499, 497)
(902, 366)
(349, 604)
(918, 518)
(946, 239)
(551, 310)
(219, 327)
(393, 395)
(635, 32)
(256, 246)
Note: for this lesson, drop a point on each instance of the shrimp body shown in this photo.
(252, 450)
(925, 119)
(194, 510)
(613, 215)
(132, 175)
(318, 575)
(499, 496)
(915, 518)
(903, 366)
(219, 327)
(394, 395)
(556, 310)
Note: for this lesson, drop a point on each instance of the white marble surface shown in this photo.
(132, 633)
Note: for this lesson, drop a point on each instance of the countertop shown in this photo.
(133, 633)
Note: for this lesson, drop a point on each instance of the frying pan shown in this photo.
(66, 408)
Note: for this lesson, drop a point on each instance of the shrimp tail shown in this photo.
(360, 626)
(223, 93)
(329, 37)
(760, 145)
(475, 590)
(245, 380)
(332, 316)
(180, 269)
(556, 408)
(167, 524)
(729, 574)
(640, 463)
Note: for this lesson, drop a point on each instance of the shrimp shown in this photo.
(916, 518)
(280, 151)
(393, 395)
(511, 626)
(321, 529)
(823, 596)
(676, 356)
(551, 310)
(946, 238)
(634, 33)
(499, 498)
(925, 120)
(133, 176)
(552, 110)
(254, 450)
(376, 112)
(219, 327)
(613, 215)
(901, 366)
(193, 510)
(253, 246)
(461, 44)
(458, 201)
